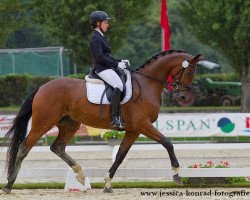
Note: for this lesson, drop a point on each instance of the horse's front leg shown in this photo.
(126, 143)
(150, 131)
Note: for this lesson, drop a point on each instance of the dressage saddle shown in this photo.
(94, 78)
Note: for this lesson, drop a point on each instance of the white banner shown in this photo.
(5, 123)
(182, 124)
(203, 124)
(6, 120)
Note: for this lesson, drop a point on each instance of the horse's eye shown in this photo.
(189, 74)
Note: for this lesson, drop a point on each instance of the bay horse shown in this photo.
(63, 102)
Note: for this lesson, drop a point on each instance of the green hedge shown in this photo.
(15, 88)
(231, 77)
(79, 76)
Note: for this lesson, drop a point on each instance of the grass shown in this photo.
(74, 141)
(10, 108)
(154, 184)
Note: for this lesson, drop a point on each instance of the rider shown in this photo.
(104, 63)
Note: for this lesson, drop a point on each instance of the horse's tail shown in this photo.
(18, 130)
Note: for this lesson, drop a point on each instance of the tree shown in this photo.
(224, 25)
(69, 22)
(12, 17)
(183, 38)
(144, 39)
(30, 36)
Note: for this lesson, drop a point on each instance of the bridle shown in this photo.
(175, 85)
(177, 82)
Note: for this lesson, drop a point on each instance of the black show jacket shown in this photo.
(101, 51)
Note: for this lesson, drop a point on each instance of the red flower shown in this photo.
(195, 166)
(210, 162)
(226, 163)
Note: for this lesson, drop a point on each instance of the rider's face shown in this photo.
(104, 25)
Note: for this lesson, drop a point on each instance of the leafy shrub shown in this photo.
(233, 180)
(231, 77)
(14, 88)
(79, 76)
(112, 134)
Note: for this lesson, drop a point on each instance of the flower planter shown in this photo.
(207, 180)
(113, 137)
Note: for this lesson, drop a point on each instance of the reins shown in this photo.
(149, 77)
(175, 85)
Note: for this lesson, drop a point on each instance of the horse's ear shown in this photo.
(197, 58)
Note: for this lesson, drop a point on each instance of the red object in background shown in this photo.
(165, 34)
(248, 122)
(165, 26)
(169, 80)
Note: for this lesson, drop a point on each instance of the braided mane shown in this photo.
(163, 53)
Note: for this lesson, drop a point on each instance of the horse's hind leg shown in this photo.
(21, 154)
(67, 129)
(24, 148)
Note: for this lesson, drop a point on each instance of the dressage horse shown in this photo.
(63, 102)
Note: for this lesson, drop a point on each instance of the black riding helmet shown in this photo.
(98, 16)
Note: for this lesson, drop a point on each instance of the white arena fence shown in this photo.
(136, 172)
(140, 172)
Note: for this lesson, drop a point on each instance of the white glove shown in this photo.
(122, 65)
(126, 61)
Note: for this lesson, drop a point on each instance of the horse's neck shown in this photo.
(152, 81)
(158, 70)
(155, 72)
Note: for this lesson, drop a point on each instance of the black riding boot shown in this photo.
(116, 120)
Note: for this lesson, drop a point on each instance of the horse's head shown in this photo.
(183, 74)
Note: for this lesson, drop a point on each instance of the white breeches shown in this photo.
(111, 77)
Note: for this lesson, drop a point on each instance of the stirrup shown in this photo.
(117, 123)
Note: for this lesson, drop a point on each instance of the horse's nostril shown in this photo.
(182, 98)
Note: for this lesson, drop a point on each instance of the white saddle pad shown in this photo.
(95, 91)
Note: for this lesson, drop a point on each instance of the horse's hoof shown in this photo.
(80, 179)
(6, 190)
(108, 190)
(178, 180)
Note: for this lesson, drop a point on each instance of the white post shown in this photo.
(61, 60)
(114, 152)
